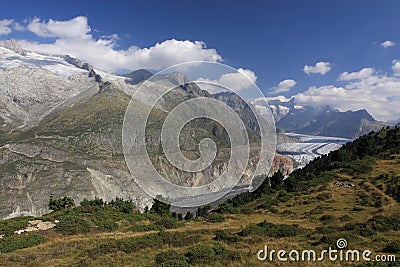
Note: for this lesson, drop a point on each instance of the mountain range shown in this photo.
(61, 132)
(61, 123)
(321, 120)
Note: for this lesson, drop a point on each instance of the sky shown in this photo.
(345, 54)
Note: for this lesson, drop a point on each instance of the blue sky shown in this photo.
(273, 39)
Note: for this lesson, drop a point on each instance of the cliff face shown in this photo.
(282, 163)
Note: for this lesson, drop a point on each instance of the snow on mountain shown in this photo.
(56, 65)
(33, 84)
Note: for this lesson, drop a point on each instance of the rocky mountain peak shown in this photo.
(13, 46)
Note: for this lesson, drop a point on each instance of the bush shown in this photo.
(203, 211)
(226, 208)
(57, 204)
(203, 255)
(269, 229)
(188, 216)
(327, 217)
(160, 207)
(168, 223)
(12, 243)
(71, 223)
(392, 247)
(144, 227)
(8, 227)
(200, 255)
(283, 196)
(215, 217)
(96, 202)
(179, 239)
(175, 263)
(125, 206)
(169, 256)
(222, 235)
(345, 218)
(323, 196)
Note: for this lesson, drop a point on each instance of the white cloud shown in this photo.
(111, 36)
(241, 80)
(284, 86)
(387, 44)
(358, 75)
(73, 37)
(396, 67)
(378, 94)
(319, 67)
(5, 26)
(18, 27)
(75, 28)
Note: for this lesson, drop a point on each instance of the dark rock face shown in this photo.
(96, 76)
(138, 76)
(78, 63)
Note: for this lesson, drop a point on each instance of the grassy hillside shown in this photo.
(352, 193)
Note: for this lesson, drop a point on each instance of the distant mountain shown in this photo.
(322, 120)
(239, 106)
(138, 76)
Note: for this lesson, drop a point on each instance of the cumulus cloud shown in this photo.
(75, 28)
(284, 86)
(396, 67)
(365, 89)
(387, 44)
(320, 67)
(236, 81)
(5, 26)
(74, 37)
(358, 75)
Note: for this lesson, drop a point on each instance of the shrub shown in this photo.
(323, 196)
(96, 202)
(269, 229)
(188, 216)
(160, 207)
(327, 217)
(57, 204)
(12, 243)
(392, 247)
(200, 255)
(203, 211)
(144, 227)
(175, 263)
(8, 227)
(226, 208)
(345, 218)
(222, 235)
(215, 217)
(179, 239)
(168, 223)
(169, 256)
(283, 196)
(125, 206)
(71, 223)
